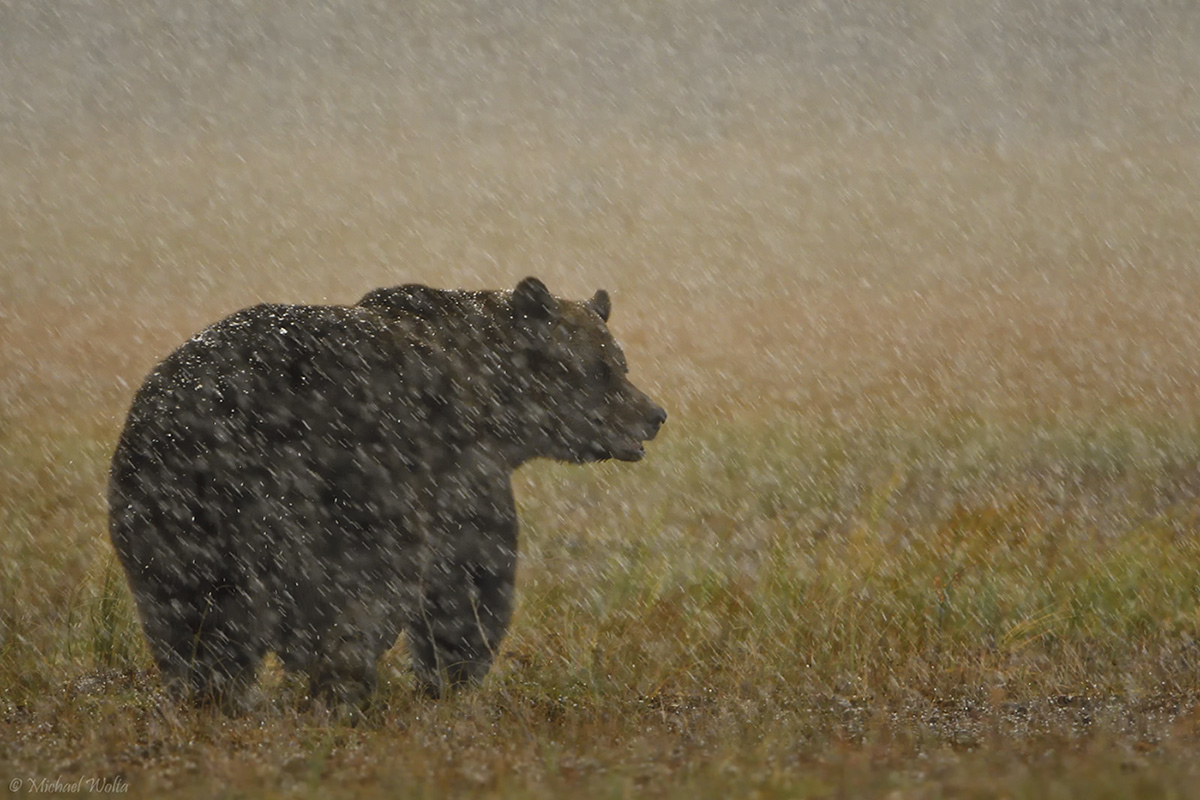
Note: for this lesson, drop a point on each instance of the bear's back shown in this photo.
(272, 378)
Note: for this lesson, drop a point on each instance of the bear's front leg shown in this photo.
(466, 596)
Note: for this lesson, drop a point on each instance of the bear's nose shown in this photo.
(658, 416)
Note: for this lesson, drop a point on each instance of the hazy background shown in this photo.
(827, 208)
(976, 70)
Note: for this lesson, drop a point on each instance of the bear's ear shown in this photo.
(600, 304)
(532, 301)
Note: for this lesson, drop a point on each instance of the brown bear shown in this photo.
(313, 480)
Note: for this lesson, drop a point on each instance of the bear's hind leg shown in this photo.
(344, 670)
(205, 646)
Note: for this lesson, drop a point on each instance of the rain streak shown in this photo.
(304, 306)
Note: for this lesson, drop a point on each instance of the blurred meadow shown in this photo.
(923, 520)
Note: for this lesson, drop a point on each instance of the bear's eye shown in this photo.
(605, 370)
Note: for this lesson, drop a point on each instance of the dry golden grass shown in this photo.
(923, 521)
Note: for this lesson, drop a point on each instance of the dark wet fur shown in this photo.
(313, 480)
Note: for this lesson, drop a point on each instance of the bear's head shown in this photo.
(571, 382)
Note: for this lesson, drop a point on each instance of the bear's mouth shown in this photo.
(622, 448)
(629, 450)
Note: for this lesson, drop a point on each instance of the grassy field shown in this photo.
(923, 522)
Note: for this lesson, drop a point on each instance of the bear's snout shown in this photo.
(654, 420)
